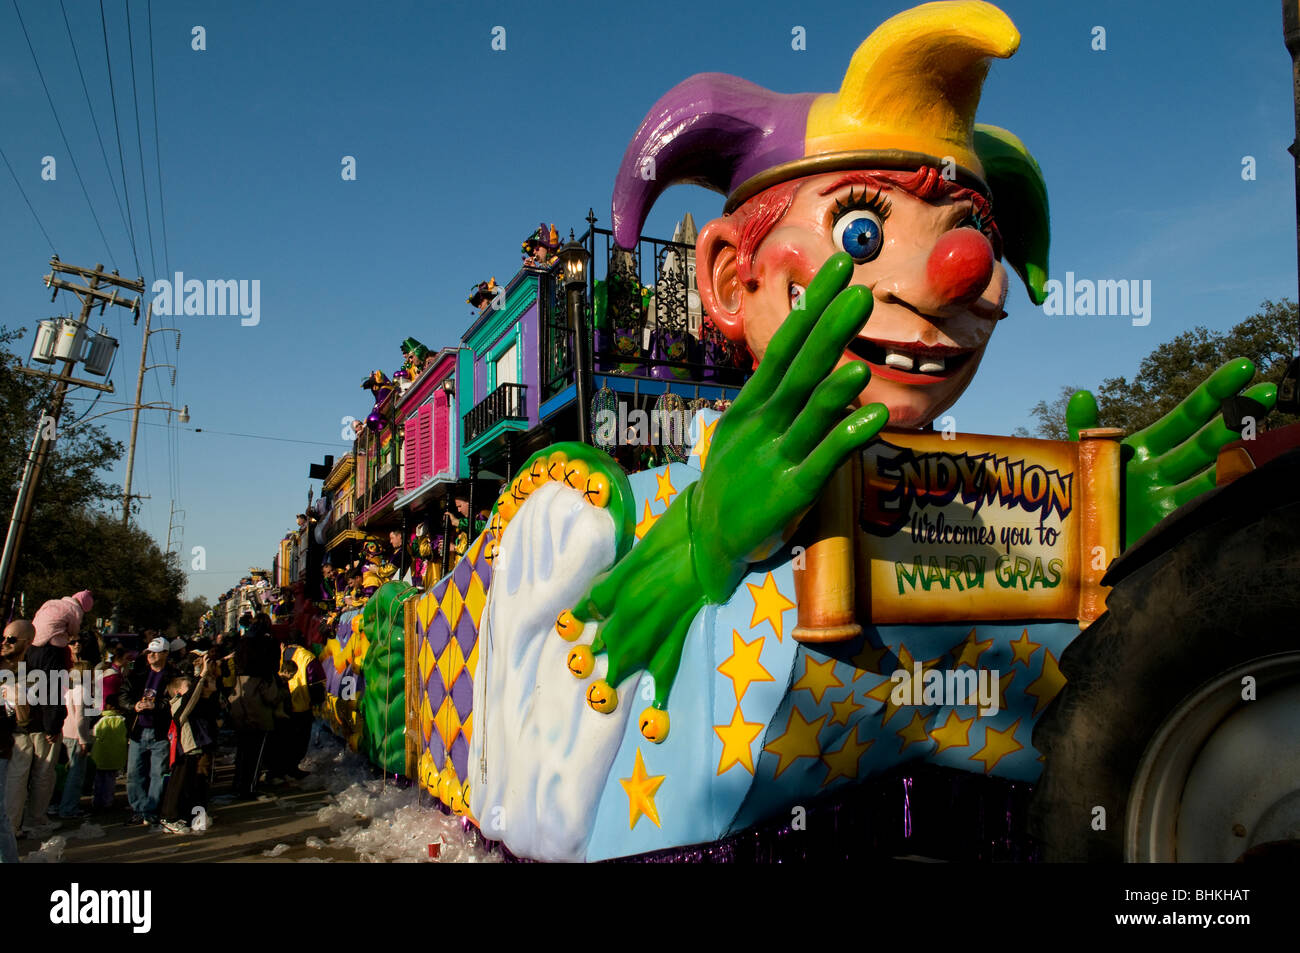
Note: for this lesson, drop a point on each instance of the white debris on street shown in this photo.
(51, 851)
(383, 822)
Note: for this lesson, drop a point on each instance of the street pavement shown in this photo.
(288, 822)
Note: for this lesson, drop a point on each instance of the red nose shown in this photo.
(961, 265)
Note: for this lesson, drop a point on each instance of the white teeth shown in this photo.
(901, 361)
(796, 295)
(932, 366)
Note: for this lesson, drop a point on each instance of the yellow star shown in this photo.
(647, 520)
(969, 652)
(1048, 683)
(701, 448)
(737, 739)
(884, 691)
(769, 603)
(1003, 684)
(641, 790)
(743, 666)
(844, 762)
(868, 659)
(842, 711)
(666, 488)
(953, 733)
(818, 678)
(997, 745)
(914, 733)
(799, 741)
(1024, 649)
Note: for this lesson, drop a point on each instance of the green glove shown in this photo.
(789, 429)
(1172, 461)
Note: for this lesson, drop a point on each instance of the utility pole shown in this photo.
(136, 407)
(172, 524)
(135, 419)
(91, 295)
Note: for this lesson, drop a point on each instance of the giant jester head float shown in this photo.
(891, 169)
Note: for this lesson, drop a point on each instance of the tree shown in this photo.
(72, 542)
(1170, 372)
(191, 612)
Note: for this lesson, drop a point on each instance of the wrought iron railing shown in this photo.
(338, 524)
(383, 486)
(507, 402)
(643, 311)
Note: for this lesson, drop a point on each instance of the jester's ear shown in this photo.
(1019, 204)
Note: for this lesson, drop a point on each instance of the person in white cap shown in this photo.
(178, 655)
(143, 696)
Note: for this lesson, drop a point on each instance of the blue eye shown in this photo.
(861, 233)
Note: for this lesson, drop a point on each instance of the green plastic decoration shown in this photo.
(773, 451)
(1172, 461)
(383, 700)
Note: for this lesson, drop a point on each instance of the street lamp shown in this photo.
(182, 415)
(574, 259)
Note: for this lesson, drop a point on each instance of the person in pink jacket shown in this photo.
(30, 784)
(84, 705)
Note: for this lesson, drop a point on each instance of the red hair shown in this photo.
(764, 211)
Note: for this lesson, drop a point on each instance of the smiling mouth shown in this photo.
(909, 363)
(913, 363)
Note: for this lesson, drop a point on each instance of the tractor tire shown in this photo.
(1152, 727)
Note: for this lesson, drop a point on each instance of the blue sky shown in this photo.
(461, 150)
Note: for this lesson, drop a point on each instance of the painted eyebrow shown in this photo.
(857, 178)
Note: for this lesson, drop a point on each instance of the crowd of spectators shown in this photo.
(161, 718)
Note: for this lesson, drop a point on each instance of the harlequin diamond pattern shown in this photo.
(451, 604)
(476, 594)
(427, 660)
(426, 719)
(451, 662)
(449, 723)
(462, 695)
(447, 619)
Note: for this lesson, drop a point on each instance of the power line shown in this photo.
(251, 436)
(76, 58)
(139, 143)
(57, 122)
(23, 192)
(117, 131)
(258, 436)
(157, 143)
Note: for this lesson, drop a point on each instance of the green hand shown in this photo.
(1172, 461)
(788, 431)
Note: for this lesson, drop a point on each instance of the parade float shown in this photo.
(827, 590)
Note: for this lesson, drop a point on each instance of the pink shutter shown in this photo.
(426, 434)
(411, 448)
(441, 462)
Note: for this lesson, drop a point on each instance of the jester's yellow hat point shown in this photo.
(908, 99)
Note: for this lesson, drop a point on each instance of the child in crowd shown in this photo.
(194, 710)
(109, 753)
